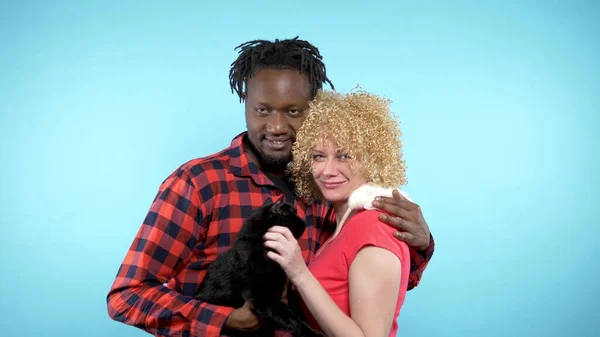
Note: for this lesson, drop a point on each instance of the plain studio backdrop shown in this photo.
(499, 103)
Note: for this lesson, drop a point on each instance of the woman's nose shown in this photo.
(330, 168)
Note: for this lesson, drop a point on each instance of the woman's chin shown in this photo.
(334, 198)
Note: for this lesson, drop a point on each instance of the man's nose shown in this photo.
(277, 124)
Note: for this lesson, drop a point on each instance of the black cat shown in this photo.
(245, 273)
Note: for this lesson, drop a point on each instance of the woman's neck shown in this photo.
(340, 210)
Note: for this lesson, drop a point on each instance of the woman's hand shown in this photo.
(286, 252)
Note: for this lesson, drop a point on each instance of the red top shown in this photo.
(331, 266)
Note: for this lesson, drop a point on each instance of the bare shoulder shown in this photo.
(376, 259)
(375, 270)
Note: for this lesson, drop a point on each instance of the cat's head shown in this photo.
(284, 214)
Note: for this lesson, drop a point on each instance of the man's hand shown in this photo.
(242, 319)
(407, 217)
(284, 298)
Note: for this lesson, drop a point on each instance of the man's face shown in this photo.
(276, 105)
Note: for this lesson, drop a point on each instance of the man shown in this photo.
(201, 206)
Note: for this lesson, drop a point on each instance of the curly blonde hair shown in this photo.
(361, 125)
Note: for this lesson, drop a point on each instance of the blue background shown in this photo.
(499, 103)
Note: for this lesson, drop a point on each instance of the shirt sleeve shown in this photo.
(418, 262)
(174, 225)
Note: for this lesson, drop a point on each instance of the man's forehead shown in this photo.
(278, 77)
(280, 86)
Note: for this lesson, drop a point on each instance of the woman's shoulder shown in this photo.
(366, 216)
(367, 221)
(365, 228)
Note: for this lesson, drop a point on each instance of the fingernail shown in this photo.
(383, 217)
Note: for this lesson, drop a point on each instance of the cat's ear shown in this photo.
(267, 202)
(280, 201)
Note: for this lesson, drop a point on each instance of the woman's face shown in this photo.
(333, 174)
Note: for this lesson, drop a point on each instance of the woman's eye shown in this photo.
(344, 156)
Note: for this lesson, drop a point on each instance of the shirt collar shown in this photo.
(240, 163)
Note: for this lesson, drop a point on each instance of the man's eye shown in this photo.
(261, 110)
(294, 112)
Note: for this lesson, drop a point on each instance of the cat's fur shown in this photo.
(245, 273)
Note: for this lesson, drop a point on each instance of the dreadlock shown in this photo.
(281, 54)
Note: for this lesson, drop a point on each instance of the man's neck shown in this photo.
(278, 172)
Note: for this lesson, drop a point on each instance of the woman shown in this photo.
(356, 283)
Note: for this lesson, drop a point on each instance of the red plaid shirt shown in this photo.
(196, 215)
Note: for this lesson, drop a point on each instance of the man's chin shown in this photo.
(276, 160)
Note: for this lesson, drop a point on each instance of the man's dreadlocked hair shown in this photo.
(281, 54)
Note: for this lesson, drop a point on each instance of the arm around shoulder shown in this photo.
(419, 261)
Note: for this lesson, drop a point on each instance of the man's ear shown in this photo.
(243, 97)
